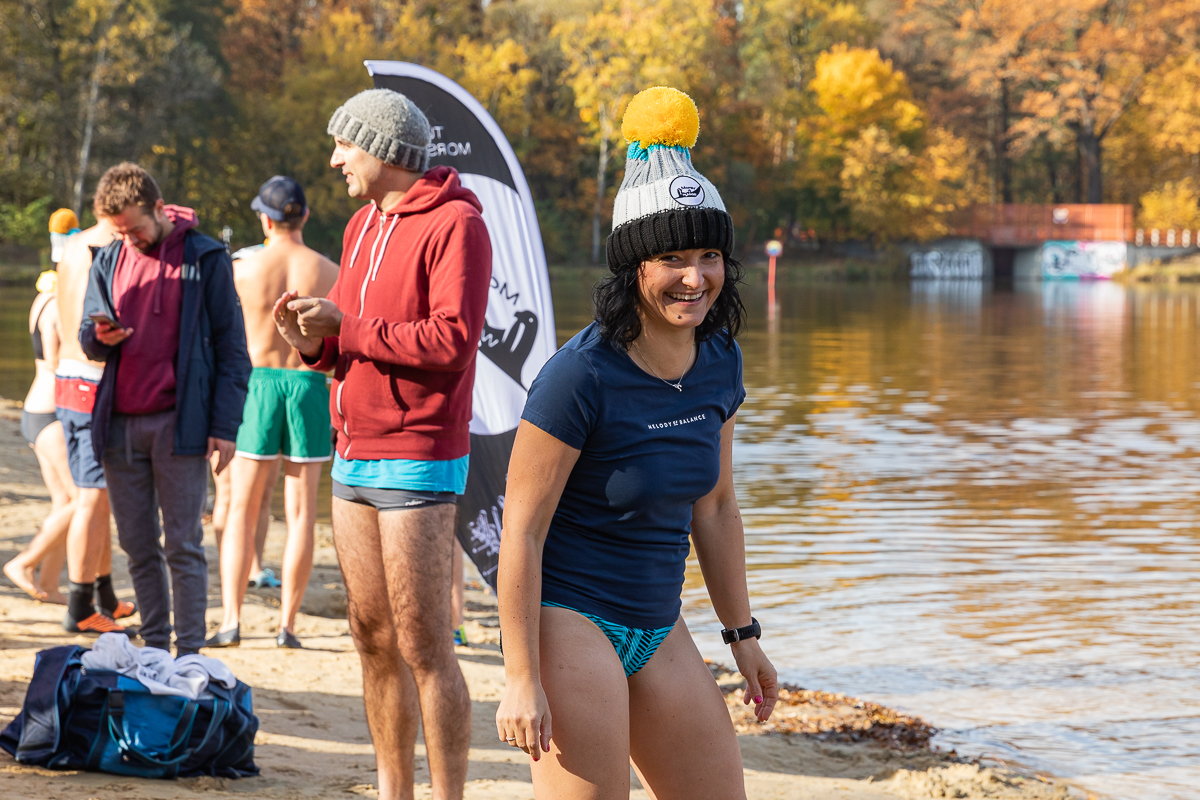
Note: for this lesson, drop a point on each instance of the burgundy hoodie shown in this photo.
(148, 292)
(413, 287)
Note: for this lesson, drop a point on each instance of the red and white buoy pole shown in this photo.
(774, 250)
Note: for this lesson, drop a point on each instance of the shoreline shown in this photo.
(313, 739)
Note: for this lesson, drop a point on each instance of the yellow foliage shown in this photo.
(661, 115)
(894, 193)
(1172, 97)
(498, 75)
(857, 89)
(1176, 205)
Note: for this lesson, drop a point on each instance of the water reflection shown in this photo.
(977, 504)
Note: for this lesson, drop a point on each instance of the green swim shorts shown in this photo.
(286, 412)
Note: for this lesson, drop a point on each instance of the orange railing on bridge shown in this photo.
(1028, 225)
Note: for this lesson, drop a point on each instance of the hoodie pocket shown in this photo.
(368, 402)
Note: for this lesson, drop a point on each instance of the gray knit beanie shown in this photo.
(387, 125)
(664, 203)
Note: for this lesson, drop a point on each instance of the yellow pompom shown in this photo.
(63, 221)
(661, 115)
(47, 282)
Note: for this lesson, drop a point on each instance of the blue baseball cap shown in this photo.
(281, 199)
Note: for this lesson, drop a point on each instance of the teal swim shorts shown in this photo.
(286, 413)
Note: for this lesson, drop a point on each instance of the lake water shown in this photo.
(975, 504)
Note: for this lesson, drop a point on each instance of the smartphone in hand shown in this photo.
(104, 318)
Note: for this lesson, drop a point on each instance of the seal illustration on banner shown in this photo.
(510, 348)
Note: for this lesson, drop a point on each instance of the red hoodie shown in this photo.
(413, 287)
(148, 292)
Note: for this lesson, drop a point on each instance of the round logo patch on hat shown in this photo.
(686, 191)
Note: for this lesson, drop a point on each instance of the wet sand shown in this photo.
(313, 739)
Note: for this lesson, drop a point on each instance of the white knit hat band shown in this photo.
(680, 191)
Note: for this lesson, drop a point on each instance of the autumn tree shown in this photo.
(612, 54)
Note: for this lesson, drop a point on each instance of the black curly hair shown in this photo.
(617, 300)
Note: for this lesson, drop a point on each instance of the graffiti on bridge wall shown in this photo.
(1082, 259)
(948, 264)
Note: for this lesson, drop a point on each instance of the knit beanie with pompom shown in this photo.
(664, 204)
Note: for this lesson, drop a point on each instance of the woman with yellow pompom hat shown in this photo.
(39, 566)
(622, 462)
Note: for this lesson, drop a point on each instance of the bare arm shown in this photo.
(51, 333)
(537, 472)
(720, 544)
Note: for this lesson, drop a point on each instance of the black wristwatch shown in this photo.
(751, 631)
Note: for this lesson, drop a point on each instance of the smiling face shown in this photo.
(363, 171)
(142, 229)
(677, 289)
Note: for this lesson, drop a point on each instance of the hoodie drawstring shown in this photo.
(358, 244)
(373, 262)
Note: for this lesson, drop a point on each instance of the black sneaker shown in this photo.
(230, 638)
(286, 639)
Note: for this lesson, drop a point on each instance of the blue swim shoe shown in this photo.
(264, 580)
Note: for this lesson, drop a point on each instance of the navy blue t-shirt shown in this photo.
(618, 542)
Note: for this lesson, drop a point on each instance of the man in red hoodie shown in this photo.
(400, 328)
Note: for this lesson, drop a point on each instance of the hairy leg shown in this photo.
(248, 479)
(417, 544)
(456, 586)
(300, 497)
(89, 537)
(389, 694)
(264, 519)
(681, 737)
(588, 694)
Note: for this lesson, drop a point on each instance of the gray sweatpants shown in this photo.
(143, 475)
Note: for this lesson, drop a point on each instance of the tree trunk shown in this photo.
(85, 148)
(601, 175)
(1052, 173)
(1005, 164)
(1089, 163)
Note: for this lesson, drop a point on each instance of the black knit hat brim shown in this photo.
(678, 229)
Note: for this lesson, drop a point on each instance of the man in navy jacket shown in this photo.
(162, 312)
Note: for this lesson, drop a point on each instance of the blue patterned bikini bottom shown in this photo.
(634, 646)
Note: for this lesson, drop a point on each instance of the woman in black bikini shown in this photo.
(624, 457)
(37, 568)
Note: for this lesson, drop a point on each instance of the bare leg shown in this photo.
(417, 546)
(681, 737)
(48, 547)
(300, 494)
(456, 586)
(264, 519)
(389, 693)
(247, 482)
(89, 538)
(220, 515)
(589, 707)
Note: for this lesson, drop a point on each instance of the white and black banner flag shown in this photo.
(518, 332)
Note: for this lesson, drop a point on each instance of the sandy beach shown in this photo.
(313, 739)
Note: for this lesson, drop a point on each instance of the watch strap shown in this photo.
(751, 631)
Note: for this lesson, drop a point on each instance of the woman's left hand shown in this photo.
(762, 684)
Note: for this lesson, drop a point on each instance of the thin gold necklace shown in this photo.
(677, 385)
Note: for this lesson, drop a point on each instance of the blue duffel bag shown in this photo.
(77, 718)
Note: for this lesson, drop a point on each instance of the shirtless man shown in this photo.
(286, 414)
(92, 606)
